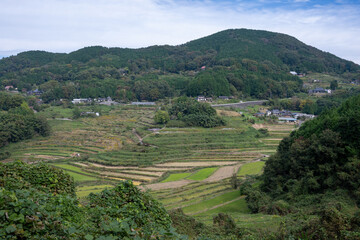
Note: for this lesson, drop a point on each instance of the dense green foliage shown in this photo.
(323, 154)
(19, 175)
(311, 106)
(18, 121)
(37, 202)
(233, 62)
(194, 113)
(161, 117)
(314, 177)
(223, 226)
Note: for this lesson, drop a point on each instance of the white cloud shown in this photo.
(65, 25)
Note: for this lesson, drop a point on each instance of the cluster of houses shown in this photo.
(104, 101)
(284, 115)
(297, 74)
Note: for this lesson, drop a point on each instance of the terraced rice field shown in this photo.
(205, 198)
(188, 168)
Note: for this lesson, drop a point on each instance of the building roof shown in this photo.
(287, 119)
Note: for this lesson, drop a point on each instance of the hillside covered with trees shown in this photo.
(18, 121)
(314, 177)
(240, 62)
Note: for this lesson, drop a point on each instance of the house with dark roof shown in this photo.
(36, 92)
(319, 90)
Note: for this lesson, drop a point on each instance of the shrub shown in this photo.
(161, 117)
(194, 113)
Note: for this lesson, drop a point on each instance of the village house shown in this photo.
(204, 99)
(297, 74)
(81, 100)
(287, 119)
(320, 90)
(36, 92)
(300, 115)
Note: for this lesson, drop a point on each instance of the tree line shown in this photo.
(18, 121)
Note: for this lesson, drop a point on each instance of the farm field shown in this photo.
(188, 168)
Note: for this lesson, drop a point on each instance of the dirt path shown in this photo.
(216, 206)
(141, 139)
(138, 136)
(224, 172)
(167, 185)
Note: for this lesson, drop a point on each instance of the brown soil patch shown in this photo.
(145, 170)
(227, 113)
(111, 167)
(274, 127)
(126, 176)
(258, 126)
(156, 174)
(167, 185)
(224, 172)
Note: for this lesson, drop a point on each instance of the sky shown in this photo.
(68, 25)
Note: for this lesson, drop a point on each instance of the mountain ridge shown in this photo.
(244, 62)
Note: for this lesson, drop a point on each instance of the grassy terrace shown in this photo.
(176, 176)
(202, 174)
(76, 173)
(251, 168)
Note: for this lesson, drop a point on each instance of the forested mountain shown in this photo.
(233, 62)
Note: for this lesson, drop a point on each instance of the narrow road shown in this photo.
(240, 104)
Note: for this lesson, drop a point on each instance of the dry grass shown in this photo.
(227, 113)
